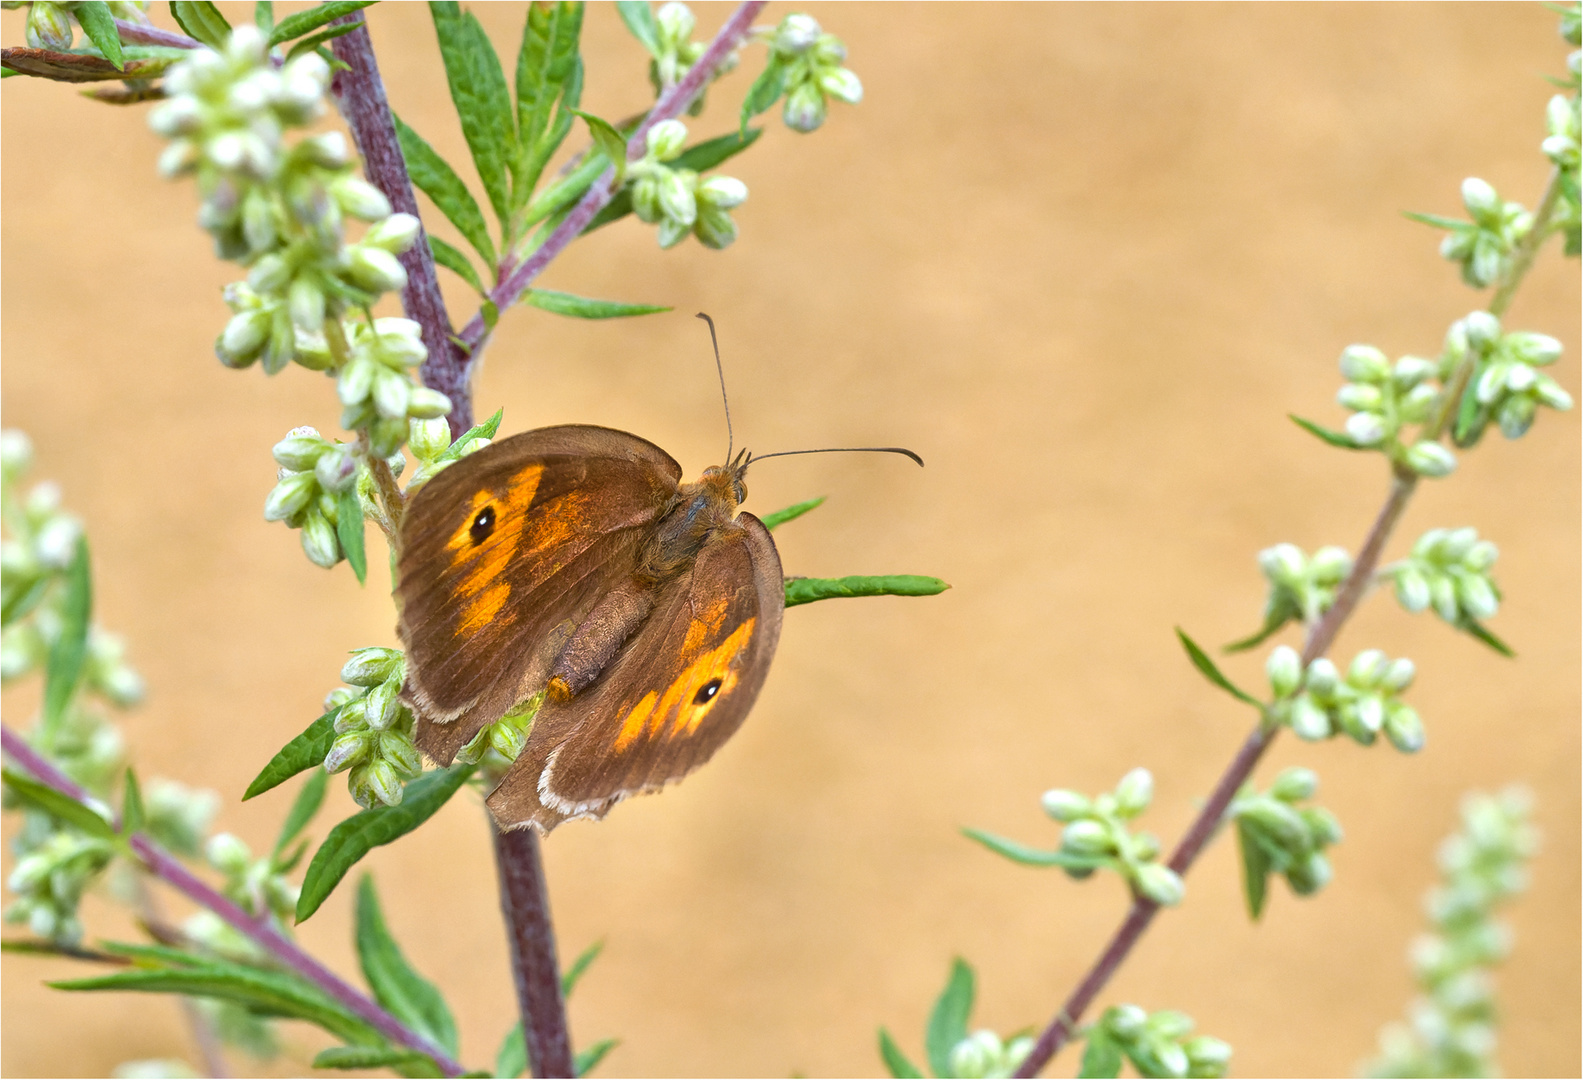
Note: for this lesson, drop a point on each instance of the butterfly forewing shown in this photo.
(670, 698)
(504, 552)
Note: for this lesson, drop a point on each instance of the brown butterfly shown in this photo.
(572, 562)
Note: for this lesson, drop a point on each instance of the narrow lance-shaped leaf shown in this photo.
(303, 752)
(896, 1062)
(433, 175)
(1102, 1055)
(1482, 634)
(791, 513)
(639, 18)
(349, 531)
(1032, 856)
(63, 670)
(1279, 614)
(483, 103)
(763, 94)
(572, 974)
(323, 37)
(294, 26)
(609, 141)
(546, 63)
(1334, 438)
(361, 833)
(486, 430)
(1255, 871)
(58, 805)
(582, 307)
(132, 815)
(203, 21)
(456, 262)
(376, 1057)
(806, 590)
(512, 1057)
(583, 1061)
(1207, 668)
(303, 808)
(264, 15)
(96, 21)
(948, 1020)
(408, 996)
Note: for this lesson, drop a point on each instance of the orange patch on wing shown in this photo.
(632, 727)
(482, 584)
(679, 704)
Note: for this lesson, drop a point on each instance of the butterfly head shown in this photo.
(727, 483)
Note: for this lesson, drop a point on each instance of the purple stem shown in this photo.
(142, 34)
(671, 104)
(162, 864)
(1061, 1029)
(525, 903)
(360, 95)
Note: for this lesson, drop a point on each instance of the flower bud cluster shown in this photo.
(376, 390)
(497, 745)
(256, 884)
(1506, 384)
(1162, 1043)
(179, 816)
(1449, 571)
(1096, 835)
(1292, 838)
(430, 442)
(49, 877)
(1452, 1028)
(984, 1055)
(50, 24)
(1320, 704)
(1483, 247)
(676, 198)
(1562, 131)
(1384, 397)
(1301, 586)
(373, 729)
(678, 52)
(814, 73)
(313, 473)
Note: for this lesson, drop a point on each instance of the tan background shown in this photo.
(1083, 259)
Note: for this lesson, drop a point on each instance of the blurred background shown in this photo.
(1084, 259)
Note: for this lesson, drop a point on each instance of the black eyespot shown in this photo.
(483, 525)
(707, 693)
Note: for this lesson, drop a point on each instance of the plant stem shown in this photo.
(1527, 248)
(142, 34)
(162, 864)
(671, 104)
(525, 903)
(360, 95)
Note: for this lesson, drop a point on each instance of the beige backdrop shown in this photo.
(1084, 260)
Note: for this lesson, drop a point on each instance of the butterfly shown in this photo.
(571, 565)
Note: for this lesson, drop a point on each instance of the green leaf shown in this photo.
(408, 996)
(96, 21)
(433, 176)
(764, 93)
(483, 104)
(781, 517)
(361, 833)
(567, 189)
(303, 807)
(948, 1021)
(201, 20)
(349, 530)
(639, 18)
(313, 43)
(456, 262)
(1482, 633)
(572, 974)
(1032, 856)
(896, 1062)
(132, 816)
(609, 141)
(155, 955)
(294, 26)
(547, 67)
(1207, 668)
(373, 1057)
(583, 1061)
(1334, 438)
(303, 752)
(1283, 611)
(271, 993)
(712, 152)
(486, 430)
(58, 805)
(806, 590)
(1437, 221)
(1472, 416)
(580, 307)
(512, 1057)
(264, 15)
(63, 670)
(1102, 1055)
(1255, 870)
(19, 601)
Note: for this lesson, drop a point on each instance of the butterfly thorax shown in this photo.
(700, 510)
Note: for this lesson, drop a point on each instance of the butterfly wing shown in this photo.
(503, 553)
(668, 700)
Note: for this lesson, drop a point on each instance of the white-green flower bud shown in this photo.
(1368, 669)
(1412, 589)
(227, 854)
(1483, 204)
(395, 746)
(1516, 415)
(1430, 458)
(1207, 1056)
(1404, 728)
(1362, 397)
(1144, 847)
(646, 199)
(1416, 405)
(399, 341)
(796, 34)
(1064, 805)
(1125, 1021)
(360, 199)
(370, 666)
(347, 750)
(1310, 874)
(1412, 370)
(300, 449)
(1453, 544)
(391, 394)
(1480, 556)
(47, 26)
(1134, 793)
(1276, 819)
(507, 739)
(676, 197)
(429, 438)
(1370, 712)
(380, 706)
(56, 542)
(426, 404)
(318, 540)
(1399, 674)
(1087, 838)
(336, 470)
(977, 1055)
(1323, 828)
(360, 788)
(1364, 364)
(666, 139)
(1170, 1024)
(805, 107)
(672, 232)
(1443, 596)
(355, 381)
(306, 302)
(1283, 564)
(1549, 392)
(1490, 382)
(177, 159)
(270, 275)
(1520, 377)
(384, 782)
(1330, 565)
(385, 435)
(841, 84)
(328, 150)
(714, 228)
(1160, 883)
(1476, 596)
(1365, 429)
(828, 52)
(1323, 677)
(290, 496)
(395, 233)
(1295, 784)
(176, 116)
(1105, 804)
(243, 338)
(1531, 348)
(1483, 330)
(1284, 669)
(723, 192)
(374, 269)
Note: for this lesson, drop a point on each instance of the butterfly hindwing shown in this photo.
(505, 551)
(668, 700)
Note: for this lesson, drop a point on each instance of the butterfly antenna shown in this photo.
(845, 450)
(719, 368)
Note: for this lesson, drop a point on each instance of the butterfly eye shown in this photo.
(483, 525)
(707, 692)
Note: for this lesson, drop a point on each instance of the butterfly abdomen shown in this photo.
(616, 617)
